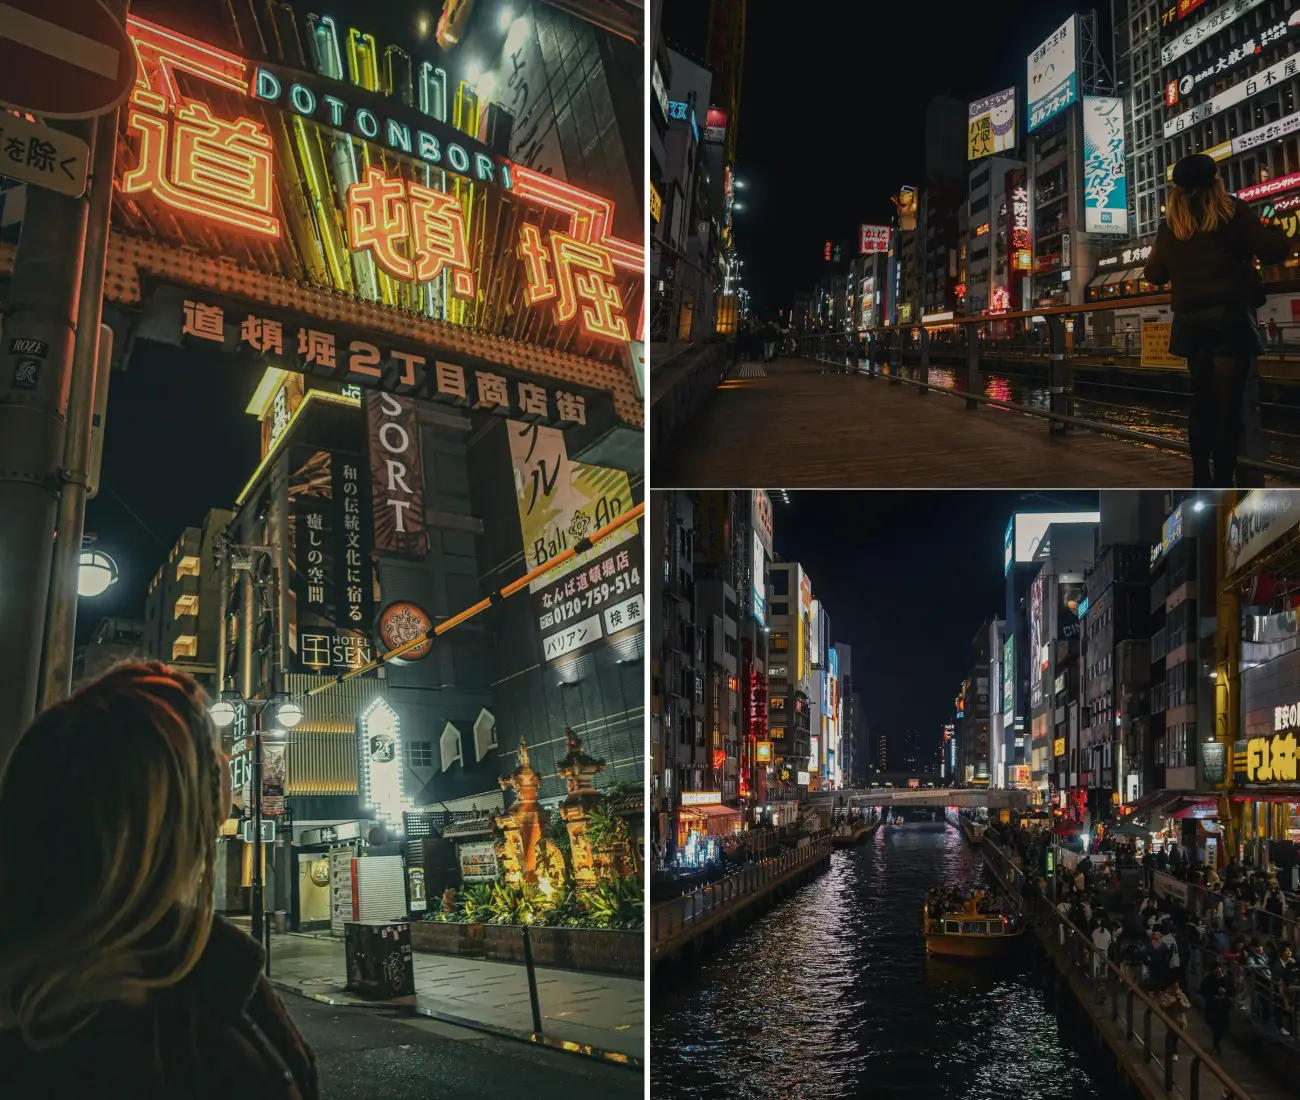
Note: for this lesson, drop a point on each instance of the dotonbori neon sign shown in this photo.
(224, 171)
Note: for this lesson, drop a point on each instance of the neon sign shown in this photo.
(189, 159)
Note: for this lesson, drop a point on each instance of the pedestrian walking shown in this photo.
(1175, 1003)
(1205, 250)
(1217, 992)
(121, 982)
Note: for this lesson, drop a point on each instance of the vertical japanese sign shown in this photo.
(596, 595)
(396, 475)
(1105, 184)
(523, 87)
(991, 125)
(1053, 75)
(331, 600)
(1036, 629)
(273, 778)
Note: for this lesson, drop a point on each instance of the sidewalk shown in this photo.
(579, 1010)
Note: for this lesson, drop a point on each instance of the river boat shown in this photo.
(969, 930)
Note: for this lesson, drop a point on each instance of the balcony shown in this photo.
(187, 566)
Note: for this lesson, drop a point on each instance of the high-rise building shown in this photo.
(988, 272)
(183, 608)
(790, 672)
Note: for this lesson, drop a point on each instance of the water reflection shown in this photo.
(831, 995)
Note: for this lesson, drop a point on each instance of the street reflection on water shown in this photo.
(831, 995)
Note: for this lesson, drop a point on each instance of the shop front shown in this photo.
(1120, 275)
(701, 822)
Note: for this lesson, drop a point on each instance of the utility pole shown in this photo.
(61, 609)
(36, 360)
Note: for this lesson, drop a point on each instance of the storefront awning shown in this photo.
(1266, 796)
(1199, 810)
(1098, 279)
(1116, 277)
(713, 815)
(1143, 804)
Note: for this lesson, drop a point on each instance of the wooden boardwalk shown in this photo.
(797, 427)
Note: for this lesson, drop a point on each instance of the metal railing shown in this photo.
(670, 918)
(1246, 917)
(1130, 1005)
(974, 339)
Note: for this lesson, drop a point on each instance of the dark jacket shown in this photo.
(1215, 268)
(222, 1032)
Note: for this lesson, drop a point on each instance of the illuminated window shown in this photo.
(187, 566)
(187, 605)
(187, 645)
(419, 754)
(778, 702)
(781, 641)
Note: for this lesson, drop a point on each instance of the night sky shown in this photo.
(177, 440)
(840, 90)
(907, 578)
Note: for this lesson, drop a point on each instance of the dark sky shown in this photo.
(907, 578)
(177, 441)
(833, 106)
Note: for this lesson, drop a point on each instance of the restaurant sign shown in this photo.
(1259, 521)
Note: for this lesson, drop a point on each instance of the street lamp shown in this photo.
(96, 573)
(271, 717)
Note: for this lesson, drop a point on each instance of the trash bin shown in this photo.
(378, 958)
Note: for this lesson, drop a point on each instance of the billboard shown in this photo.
(1054, 74)
(396, 475)
(815, 633)
(1009, 677)
(1008, 553)
(805, 614)
(873, 239)
(1032, 526)
(759, 581)
(1105, 184)
(1036, 626)
(991, 126)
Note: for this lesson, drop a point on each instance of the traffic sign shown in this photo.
(42, 155)
(66, 60)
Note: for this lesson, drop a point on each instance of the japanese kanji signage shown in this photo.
(1214, 69)
(872, 239)
(991, 125)
(1272, 76)
(396, 475)
(602, 600)
(331, 589)
(597, 594)
(1105, 182)
(326, 352)
(38, 154)
(205, 130)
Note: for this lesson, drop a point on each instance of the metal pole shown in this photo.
(532, 982)
(255, 891)
(223, 620)
(61, 608)
(35, 375)
(1058, 382)
(247, 633)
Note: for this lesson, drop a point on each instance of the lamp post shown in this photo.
(271, 716)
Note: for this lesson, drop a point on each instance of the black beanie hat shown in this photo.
(1195, 173)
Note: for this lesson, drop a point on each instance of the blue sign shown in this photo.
(683, 113)
(1008, 542)
(1105, 182)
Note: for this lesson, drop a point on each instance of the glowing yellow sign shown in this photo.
(1271, 759)
(1058, 747)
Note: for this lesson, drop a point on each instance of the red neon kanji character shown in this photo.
(378, 219)
(438, 237)
(205, 166)
(583, 277)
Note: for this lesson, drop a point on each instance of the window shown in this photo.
(778, 702)
(187, 605)
(780, 582)
(781, 642)
(951, 927)
(779, 609)
(419, 754)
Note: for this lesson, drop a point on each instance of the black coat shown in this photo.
(221, 1033)
(1213, 283)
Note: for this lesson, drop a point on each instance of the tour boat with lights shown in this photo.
(967, 929)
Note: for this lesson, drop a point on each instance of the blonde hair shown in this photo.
(1203, 210)
(121, 784)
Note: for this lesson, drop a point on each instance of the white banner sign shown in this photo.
(1105, 183)
(1274, 74)
(1262, 517)
(1053, 75)
(1199, 32)
(1270, 132)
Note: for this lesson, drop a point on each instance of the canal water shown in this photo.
(831, 995)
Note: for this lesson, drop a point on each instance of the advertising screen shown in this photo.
(1008, 543)
(1035, 640)
(1032, 526)
(805, 614)
(991, 126)
(1053, 74)
(815, 633)
(1105, 185)
(760, 582)
(1009, 677)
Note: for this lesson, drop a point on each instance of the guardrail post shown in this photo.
(972, 364)
(1146, 1034)
(1058, 379)
(895, 355)
(923, 373)
(1195, 1093)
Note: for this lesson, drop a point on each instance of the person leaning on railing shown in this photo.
(1205, 249)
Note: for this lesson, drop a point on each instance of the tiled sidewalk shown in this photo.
(601, 1011)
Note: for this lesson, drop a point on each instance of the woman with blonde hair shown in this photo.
(1205, 249)
(116, 978)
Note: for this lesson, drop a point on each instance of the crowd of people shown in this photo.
(757, 343)
(1235, 951)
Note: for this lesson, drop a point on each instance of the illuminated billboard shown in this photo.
(1008, 544)
(1009, 678)
(873, 239)
(1105, 182)
(991, 125)
(815, 633)
(1054, 74)
(759, 584)
(805, 615)
(366, 181)
(1036, 628)
(1030, 527)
